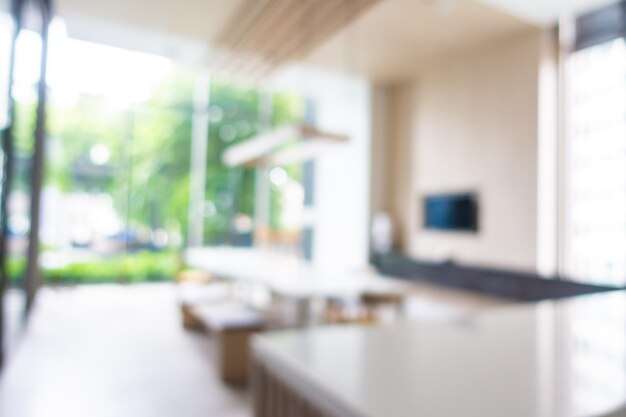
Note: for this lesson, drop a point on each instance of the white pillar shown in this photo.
(199, 143)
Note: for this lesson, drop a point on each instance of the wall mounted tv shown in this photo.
(452, 212)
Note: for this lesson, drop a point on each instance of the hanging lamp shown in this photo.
(287, 144)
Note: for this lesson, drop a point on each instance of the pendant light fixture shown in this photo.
(285, 145)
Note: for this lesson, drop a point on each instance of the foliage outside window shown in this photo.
(116, 195)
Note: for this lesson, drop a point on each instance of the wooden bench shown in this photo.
(232, 324)
(192, 295)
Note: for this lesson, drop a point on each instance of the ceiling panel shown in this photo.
(195, 19)
(181, 29)
(389, 42)
(545, 12)
(396, 38)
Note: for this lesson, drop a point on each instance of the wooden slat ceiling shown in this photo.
(264, 34)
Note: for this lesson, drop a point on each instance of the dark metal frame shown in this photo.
(601, 25)
(7, 170)
(32, 279)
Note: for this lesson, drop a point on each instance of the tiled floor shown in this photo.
(114, 351)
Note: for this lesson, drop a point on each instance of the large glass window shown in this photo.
(233, 210)
(115, 201)
(595, 165)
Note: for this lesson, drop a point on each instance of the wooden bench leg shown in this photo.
(190, 320)
(234, 355)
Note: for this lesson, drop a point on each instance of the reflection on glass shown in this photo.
(596, 353)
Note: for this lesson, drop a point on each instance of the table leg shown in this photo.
(303, 311)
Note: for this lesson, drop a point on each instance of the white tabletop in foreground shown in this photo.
(551, 359)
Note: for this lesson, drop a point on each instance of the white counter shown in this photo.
(550, 359)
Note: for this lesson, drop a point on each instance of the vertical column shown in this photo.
(547, 156)
(7, 169)
(308, 183)
(262, 200)
(565, 39)
(33, 276)
(128, 146)
(199, 146)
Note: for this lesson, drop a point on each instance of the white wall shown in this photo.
(342, 192)
(471, 124)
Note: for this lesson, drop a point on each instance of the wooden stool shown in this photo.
(191, 295)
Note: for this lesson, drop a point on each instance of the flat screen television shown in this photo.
(452, 212)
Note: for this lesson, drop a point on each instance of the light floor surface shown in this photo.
(114, 351)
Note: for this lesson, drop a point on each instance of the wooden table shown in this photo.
(288, 277)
